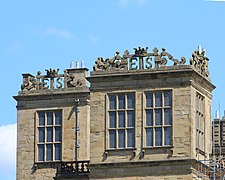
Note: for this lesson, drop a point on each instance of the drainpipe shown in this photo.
(77, 110)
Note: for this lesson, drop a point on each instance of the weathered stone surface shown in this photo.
(177, 161)
(185, 83)
(28, 103)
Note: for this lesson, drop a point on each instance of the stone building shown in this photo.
(145, 115)
(218, 146)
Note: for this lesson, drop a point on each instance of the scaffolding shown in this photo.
(214, 168)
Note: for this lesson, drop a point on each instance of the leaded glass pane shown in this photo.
(149, 137)
(167, 117)
(41, 134)
(149, 100)
(167, 136)
(112, 102)
(167, 98)
(149, 117)
(130, 138)
(49, 152)
(49, 118)
(199, 104)
(41, 152)
(130, 101)
(121, 138)
(158, 99)
(158, 136)
(49, 134)
(121, 99)
(112, 119)
(158, 117)
(121, 116)
(130, 118)
(41, 116)
(58, 151)
(58, 118)
(112, 138)
(58, 134)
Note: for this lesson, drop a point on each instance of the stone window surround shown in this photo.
(107, 119)
(144, 118)
(200, 113)
(36, 133)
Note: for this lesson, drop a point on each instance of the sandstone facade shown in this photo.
(179, 151)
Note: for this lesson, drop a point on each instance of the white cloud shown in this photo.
(8, 149)
(58, 33)
(93, 39)
(125, 3)
(15, 47)
(140, 2)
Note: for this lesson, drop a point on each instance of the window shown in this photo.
(121, 120)
(200, 121)
(49, 136)
(158, 119)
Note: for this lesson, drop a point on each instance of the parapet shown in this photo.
(142, 60)
(52, 82)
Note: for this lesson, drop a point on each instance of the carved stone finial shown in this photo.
(29, 82)
(200, 62)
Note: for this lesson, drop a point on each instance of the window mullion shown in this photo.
(45, 135)
(125, 129)
(153, 123)
(163, 139)
(53, 137)
(117, 123)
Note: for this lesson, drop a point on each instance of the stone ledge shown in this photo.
(143, 163)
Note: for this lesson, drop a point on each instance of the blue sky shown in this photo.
(37, 35)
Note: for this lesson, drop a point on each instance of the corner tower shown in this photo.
(150, 116)
(49, 107)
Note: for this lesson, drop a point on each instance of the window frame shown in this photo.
(36, 133)
(153, 126)
(200, 121)
(107, 120)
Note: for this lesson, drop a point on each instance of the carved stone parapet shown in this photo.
(53, 80)
(115, 63)
(141, 59)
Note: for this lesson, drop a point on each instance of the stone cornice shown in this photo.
(181, 75)
(23, 95)
(143, 163)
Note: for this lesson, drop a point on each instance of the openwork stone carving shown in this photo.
(29, 82)
(72, 81)
(117, 62)
(141, 59)
(200, 62)
(53, 80)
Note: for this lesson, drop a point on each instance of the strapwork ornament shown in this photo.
(200, 62)
(141, 59)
